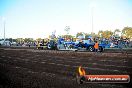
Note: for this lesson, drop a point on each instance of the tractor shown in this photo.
(84, 45)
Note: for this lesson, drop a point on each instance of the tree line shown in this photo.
(125, 32)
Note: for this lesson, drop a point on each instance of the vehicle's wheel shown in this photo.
(39, 48)
(91, 48)
(56, 47)
(49, 46)
(100, 49)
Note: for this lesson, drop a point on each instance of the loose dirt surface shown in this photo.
(29, 68)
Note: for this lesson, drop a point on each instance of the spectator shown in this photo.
(120, 45)
(28, 44)
(127, 43)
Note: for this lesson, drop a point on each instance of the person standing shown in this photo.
(120, 45)
(96, 46)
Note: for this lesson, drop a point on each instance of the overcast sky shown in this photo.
(39, 18)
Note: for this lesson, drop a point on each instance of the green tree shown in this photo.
(94, 35)
(116, 32)
(67, 36)
(14, 40)
(127, 31)
(38, 39)
(106, 34)
(87, 35)
(9, 39)
(80, 34)
(28, 40)
(100, 32)
(20, 40)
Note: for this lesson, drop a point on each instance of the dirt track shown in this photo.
(29, 68)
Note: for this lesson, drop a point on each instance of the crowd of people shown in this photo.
(117, 43)
(109, 42)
